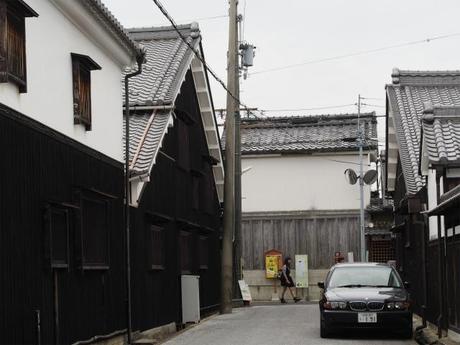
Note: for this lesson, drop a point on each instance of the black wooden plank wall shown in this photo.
(410, 242)
(39, 166)
(167, 202)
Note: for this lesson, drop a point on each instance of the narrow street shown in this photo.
(275, 324)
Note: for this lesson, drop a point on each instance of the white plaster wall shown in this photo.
(50, 39)
(299, 182)
(432, 203)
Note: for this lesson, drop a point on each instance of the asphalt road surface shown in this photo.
(274, 325)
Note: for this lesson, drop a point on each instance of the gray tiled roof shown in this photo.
(441, 134)
(168, 58)
(146, 134)
(100, 11)
(407, 95)
(325, 133)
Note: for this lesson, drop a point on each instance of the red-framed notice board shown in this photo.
(273, 263)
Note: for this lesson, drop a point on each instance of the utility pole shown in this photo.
(237, 236)
(361, 184)
(229, 186)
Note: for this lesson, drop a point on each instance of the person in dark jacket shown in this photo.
(286, 280)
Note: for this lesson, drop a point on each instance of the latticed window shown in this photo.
(57, 233)
(204, 252)
(93, 233)
(183, 154)
(82, 66)
(185, 248)
(157, 252)
(13, 42)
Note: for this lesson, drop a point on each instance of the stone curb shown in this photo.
(426, 337)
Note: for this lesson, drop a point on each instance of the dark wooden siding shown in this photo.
(411, 237)
(169, 201)
(40, 167)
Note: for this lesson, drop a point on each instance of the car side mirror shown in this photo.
(407, 285)
(321, 285)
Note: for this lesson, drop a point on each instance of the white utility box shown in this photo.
(190, 286)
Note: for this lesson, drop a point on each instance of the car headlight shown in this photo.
(398, 305)
(402, 305)
(390, 305)
(335, 305)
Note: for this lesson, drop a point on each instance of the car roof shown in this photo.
(361, 264)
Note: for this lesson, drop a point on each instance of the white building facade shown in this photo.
(53, 31)
(295, 197)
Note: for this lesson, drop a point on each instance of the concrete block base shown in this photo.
(263, 289)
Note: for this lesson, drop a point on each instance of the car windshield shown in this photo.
(362, 276)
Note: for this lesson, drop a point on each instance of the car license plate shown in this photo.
(367, 317)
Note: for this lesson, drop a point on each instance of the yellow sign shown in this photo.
(271, 266)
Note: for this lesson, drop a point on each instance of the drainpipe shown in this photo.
(440, 320)
(140, 61)
(425, 237)
(446, 292)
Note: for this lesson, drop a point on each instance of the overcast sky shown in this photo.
(294, 31)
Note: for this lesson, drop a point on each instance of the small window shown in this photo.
(157, 244)
(208, 194)
(82, 66)
(185, 246)
(94, 232)
(183, 154)
(196, 180)
(57, 236)
(204, 252)
(13, 42)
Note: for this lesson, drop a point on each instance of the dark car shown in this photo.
(364, 295)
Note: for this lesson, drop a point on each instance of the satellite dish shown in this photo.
(351, 176)
(370, 177)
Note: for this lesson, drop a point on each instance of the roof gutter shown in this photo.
(145, 177)
(151, 107)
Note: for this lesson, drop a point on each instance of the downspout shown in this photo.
(425, 238)
(140, 61)
(440, 318)
(446, 292)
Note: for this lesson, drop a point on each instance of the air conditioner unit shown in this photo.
(190, 286)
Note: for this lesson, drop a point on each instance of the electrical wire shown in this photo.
(203, 19)
(197, 54)
(373, 105)
(214, 75)
(308, 109)
(244, 21)
(364, 52)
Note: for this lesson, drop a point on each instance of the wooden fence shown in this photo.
(317, 233)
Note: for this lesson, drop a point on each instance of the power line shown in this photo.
(307, 109)
(373, 105)
(203, 19)
(374, 98)
(364, 52)
(197, 53)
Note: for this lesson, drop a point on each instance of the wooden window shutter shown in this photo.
(13, 42)
(204, 252)
(57, 236)
(157, 252)
(82, 66)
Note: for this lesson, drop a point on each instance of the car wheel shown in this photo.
(324, 332)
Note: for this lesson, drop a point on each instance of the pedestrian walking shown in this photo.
(286, 280)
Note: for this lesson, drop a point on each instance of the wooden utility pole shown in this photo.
(237, 231)
(229, 187)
